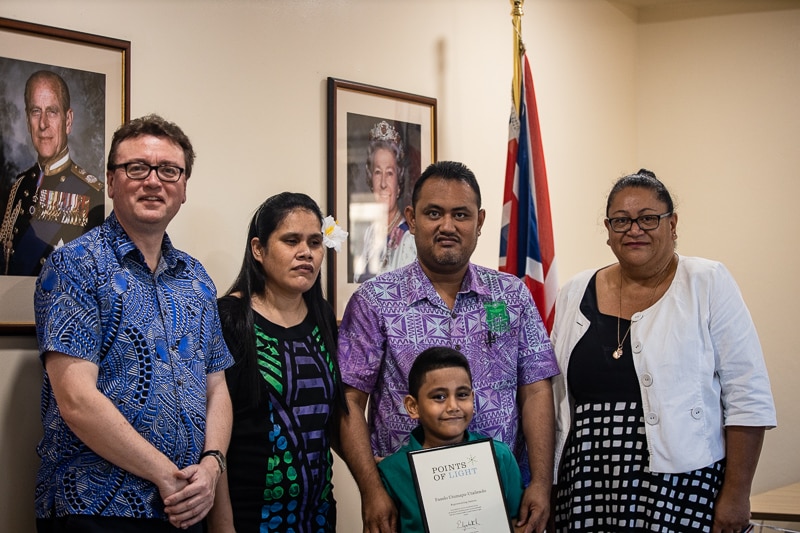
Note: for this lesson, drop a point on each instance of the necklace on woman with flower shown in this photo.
(616, 354)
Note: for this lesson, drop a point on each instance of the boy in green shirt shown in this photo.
(441, 398)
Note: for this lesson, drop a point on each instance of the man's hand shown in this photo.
(378, 511)
(538, 423)
(190, 504)
(534, 510)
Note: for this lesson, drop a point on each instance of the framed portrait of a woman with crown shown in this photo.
(379, 141)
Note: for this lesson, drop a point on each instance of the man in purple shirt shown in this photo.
(443, 300)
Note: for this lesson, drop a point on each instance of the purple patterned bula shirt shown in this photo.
(392, 318)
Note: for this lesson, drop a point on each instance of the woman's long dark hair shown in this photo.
(238, 323)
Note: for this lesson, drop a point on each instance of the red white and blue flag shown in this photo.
(526, 235)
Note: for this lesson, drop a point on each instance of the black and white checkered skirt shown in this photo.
(605, 484)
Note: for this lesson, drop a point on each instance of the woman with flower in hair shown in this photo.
(285, 384)
(387, 242)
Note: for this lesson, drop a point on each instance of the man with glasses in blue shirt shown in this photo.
(135, 408)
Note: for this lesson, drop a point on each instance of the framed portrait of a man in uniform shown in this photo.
(62, 94)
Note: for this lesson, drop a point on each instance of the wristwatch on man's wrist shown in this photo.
(218, 455)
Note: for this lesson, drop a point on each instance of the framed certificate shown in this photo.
(459, 488)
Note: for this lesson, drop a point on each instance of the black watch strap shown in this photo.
(218, 455)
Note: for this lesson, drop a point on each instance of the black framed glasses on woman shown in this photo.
(645, 222)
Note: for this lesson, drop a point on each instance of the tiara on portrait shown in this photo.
(383, 131)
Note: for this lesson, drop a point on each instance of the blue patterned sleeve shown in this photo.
(218, 357)
(66, 307)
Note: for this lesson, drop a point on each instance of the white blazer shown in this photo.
(698, 359)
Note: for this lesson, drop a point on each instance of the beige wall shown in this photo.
(718, 114)
(708, 103)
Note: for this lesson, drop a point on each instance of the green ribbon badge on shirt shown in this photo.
(496, 316)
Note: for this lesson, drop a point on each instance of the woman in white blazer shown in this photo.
(663, 396)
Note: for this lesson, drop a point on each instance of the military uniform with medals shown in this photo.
(46, 208)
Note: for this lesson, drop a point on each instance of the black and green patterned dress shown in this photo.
(279, 459)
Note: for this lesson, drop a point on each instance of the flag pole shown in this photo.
(519, 48)
(526, 233)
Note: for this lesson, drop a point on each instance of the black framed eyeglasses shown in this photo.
(645, 222)
(136, 170)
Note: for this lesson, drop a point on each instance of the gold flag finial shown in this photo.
(519, 49)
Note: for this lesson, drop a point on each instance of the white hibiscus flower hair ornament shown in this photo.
(332, 234)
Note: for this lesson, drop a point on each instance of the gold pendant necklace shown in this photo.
(616, 354)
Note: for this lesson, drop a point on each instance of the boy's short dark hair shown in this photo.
(434, 359)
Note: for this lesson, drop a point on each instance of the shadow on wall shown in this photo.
(20, 431)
